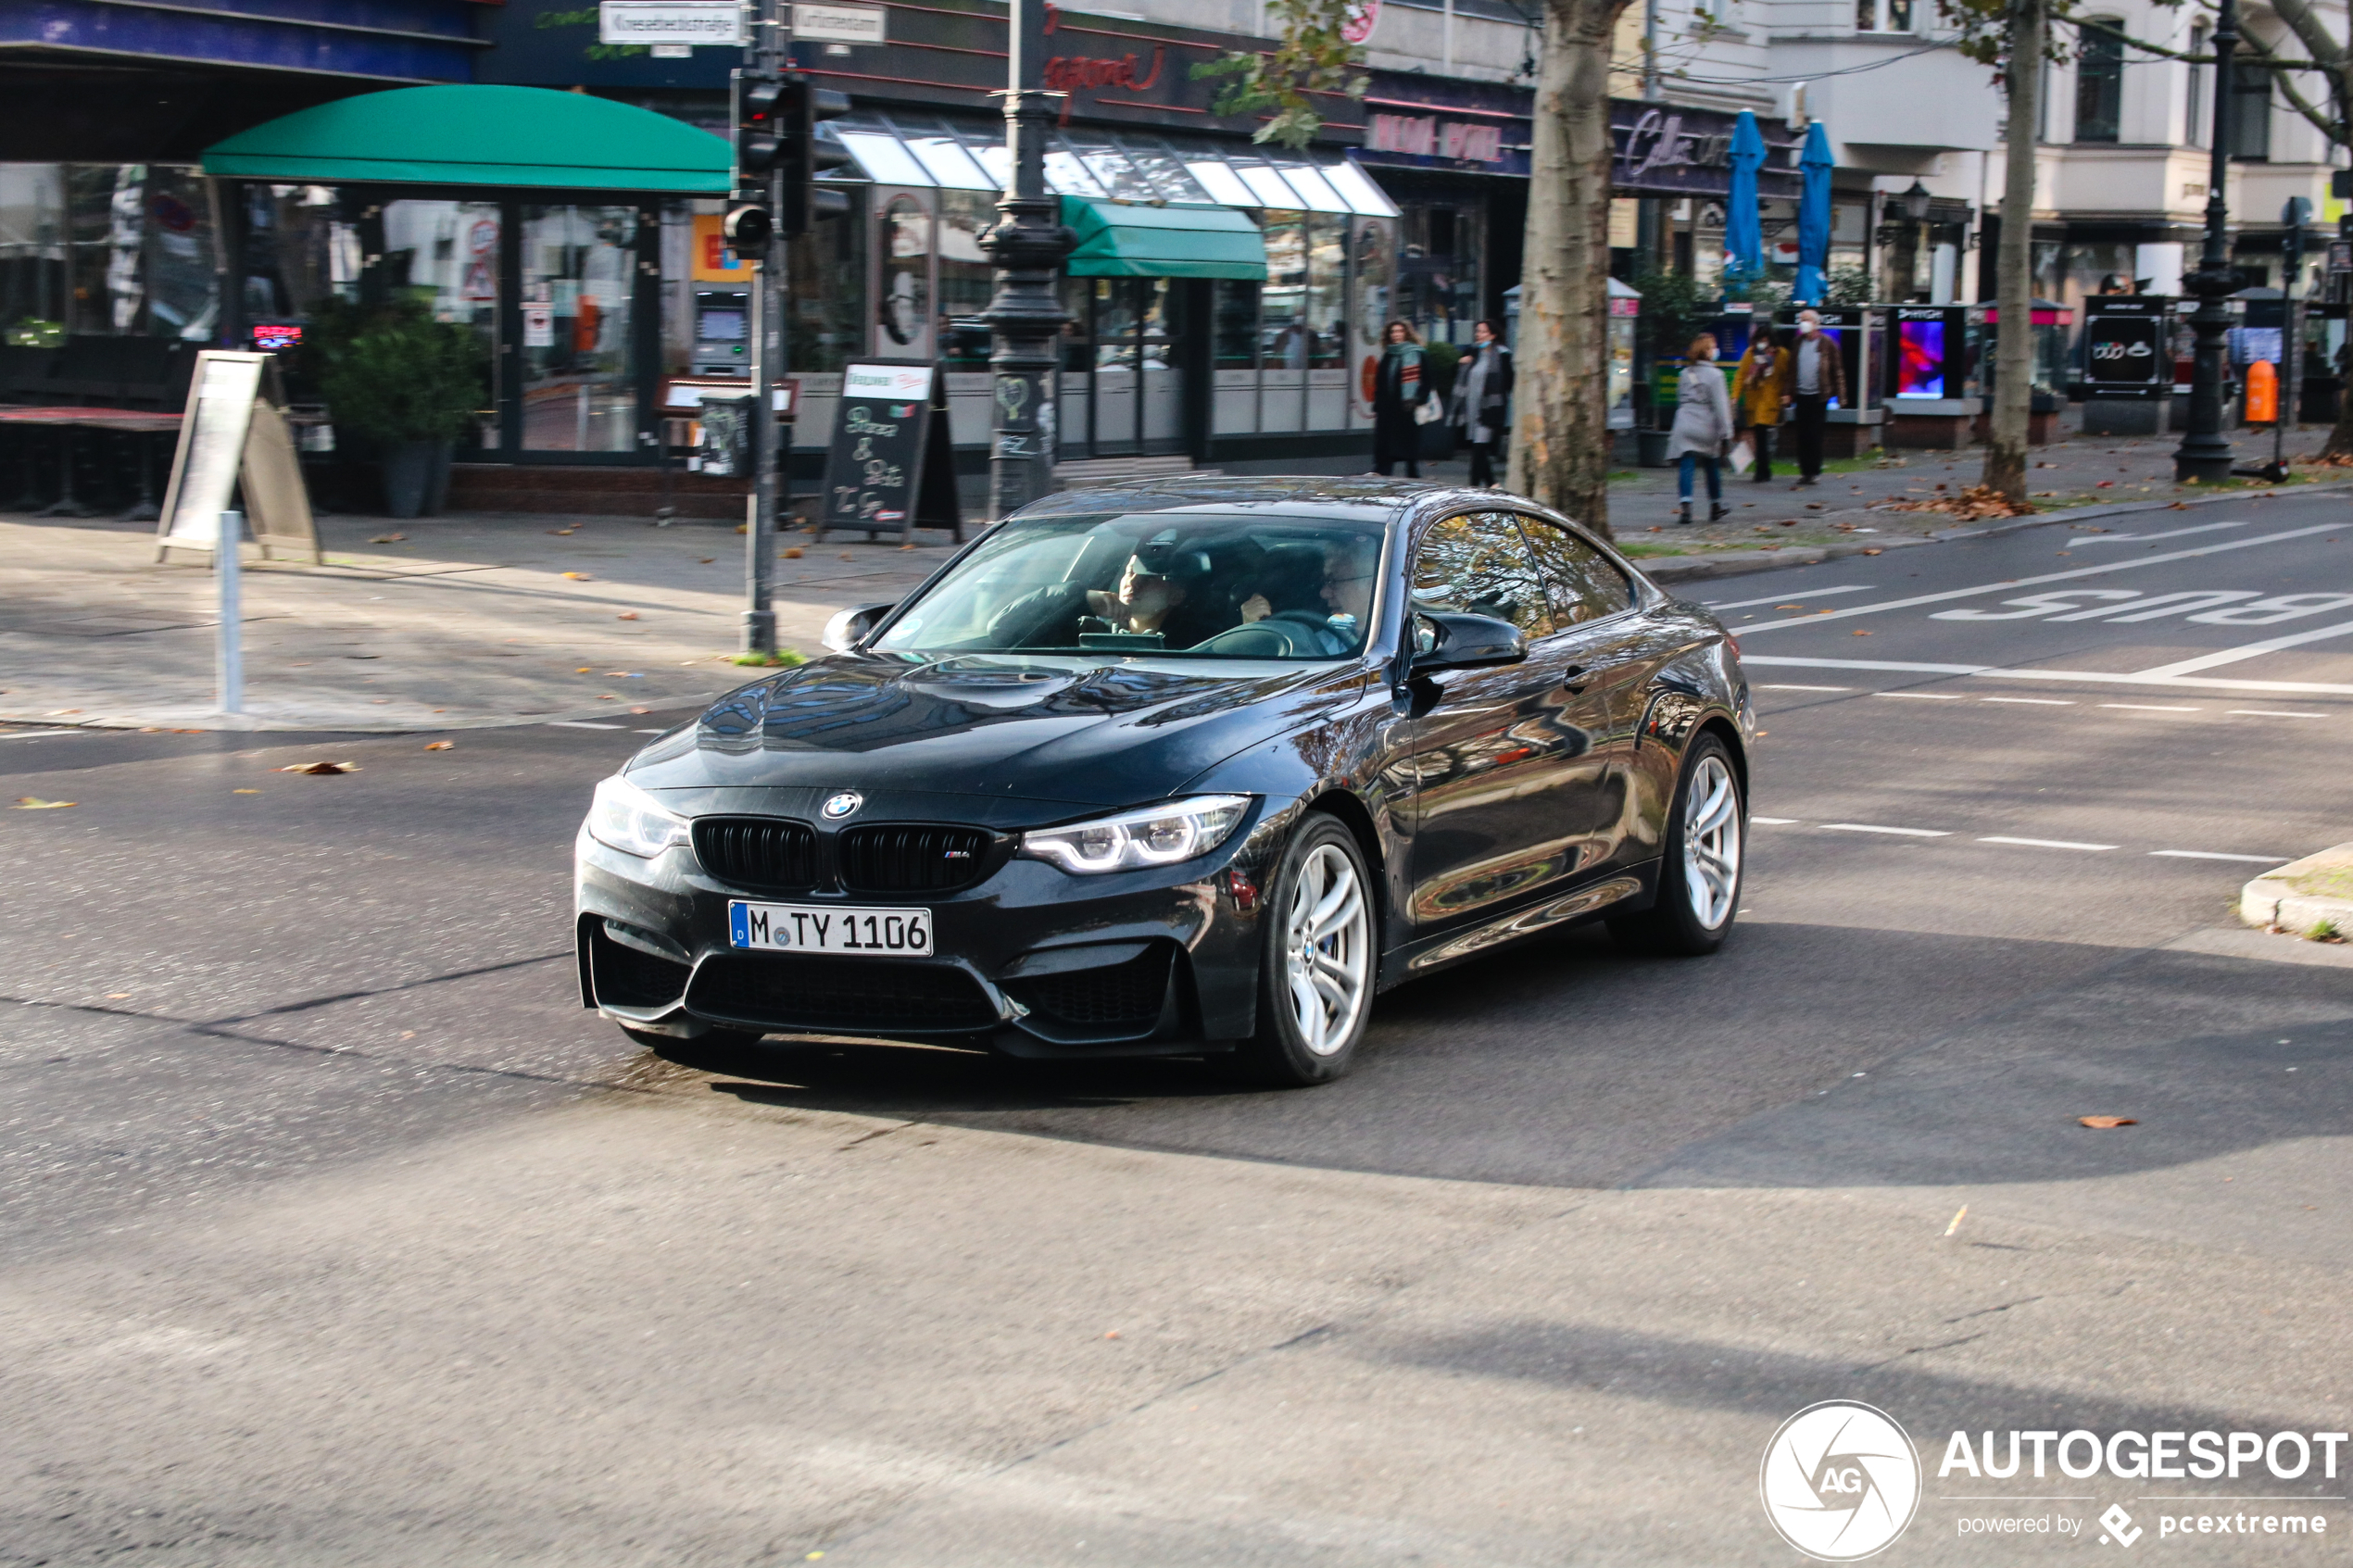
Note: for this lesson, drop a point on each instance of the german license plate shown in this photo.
(798, 928)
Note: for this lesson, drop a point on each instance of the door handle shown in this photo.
(1575, 678)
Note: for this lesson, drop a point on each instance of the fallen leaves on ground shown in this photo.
(34, 803)
(321, 769)
(705, 560)
(245, 792)
(441, 746)
(793, 554)
(389, 539)
(1862, 634)
(577, 576)
(2179, 507)
(2106, 1122)
(2105, 485)
(641, 710)
(1870, 549)
(560, 531)
(1977, 501)
(584, 670)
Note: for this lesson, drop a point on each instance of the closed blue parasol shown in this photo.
(1813, 216)
(1744, 235)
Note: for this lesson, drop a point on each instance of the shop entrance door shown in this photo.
(1134, 387)
(578, 379)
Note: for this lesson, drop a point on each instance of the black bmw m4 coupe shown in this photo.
(1193, 767)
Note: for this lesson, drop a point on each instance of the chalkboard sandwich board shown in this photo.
(891, 465)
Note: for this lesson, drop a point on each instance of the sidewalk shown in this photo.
(488, 619)
(441, 623)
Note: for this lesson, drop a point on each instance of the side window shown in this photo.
(1583, 583)
(1476, 563)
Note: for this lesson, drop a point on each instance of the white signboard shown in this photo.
(539, 326)
(892, 384)
(689, 22)
(234, 437)
(838, 24)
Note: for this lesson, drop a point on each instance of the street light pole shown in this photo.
(1026, 247)
(2204, 455)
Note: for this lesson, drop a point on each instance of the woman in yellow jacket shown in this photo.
(1760, 389)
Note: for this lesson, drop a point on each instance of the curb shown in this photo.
(1681, 569)
(2275, 901)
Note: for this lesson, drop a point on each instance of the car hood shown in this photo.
(1057, 729)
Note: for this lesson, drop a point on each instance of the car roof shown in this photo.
(1357, 497)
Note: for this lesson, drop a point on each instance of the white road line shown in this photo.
(2044, 843)
(2273, 713)
(36, 734)
(2252, 650)
(2151, 708)
(1787, 598)
(2210, 854)
(1775, 821)
(2145, 538)
(2022, 583)
(2088, 677)
(578, 724)
(1784, 687)
(653, 731)
(1924, 696)
(1867, 827)
(2036, 701)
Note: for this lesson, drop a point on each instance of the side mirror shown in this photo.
(849, 626)
(1463, 641)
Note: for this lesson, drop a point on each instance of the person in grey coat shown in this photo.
(1703, 425)
(1483, 397)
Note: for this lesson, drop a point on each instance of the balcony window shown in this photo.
(2099, 85)
(1884, 16)
(2251, 112)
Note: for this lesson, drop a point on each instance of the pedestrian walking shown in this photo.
(1818, 379)
(1482, 394)
(1760, 391)
(1703, 426)
(1398, 393)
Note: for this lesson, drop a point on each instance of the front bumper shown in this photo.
(1030, 960)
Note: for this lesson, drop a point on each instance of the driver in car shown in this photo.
(1339, 604)
(1141, 603)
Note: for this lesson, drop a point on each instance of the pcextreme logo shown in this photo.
(1840, 1481)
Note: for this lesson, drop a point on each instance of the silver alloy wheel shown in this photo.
(1712, 841)
(1327, 946)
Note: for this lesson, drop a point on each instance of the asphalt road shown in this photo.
(334, 1232)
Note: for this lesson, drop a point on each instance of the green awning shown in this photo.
(1119, 241)
(479, 136)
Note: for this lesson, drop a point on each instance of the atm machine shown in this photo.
(723, 331)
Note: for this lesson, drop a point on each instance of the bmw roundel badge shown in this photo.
(840, 806)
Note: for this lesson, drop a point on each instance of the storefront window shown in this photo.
(443, 254)
(113, 250)
(1283, 330)
(1326, 291)
(902, 306)
(1439, 269)
(1235, 327)
(1374, 282)
(579, 384)
(828, 314)
(298, 253)
(966, 282)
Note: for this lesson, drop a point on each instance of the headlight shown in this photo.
(1155, 835)
(627, 818)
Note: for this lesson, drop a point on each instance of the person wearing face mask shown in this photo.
(1703, 425)
(1818, 379)
(1760, 391)
(1482, 391)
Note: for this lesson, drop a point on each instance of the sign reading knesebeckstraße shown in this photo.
(713, 22)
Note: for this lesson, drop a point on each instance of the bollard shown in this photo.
(230, 662)
(2262, 392)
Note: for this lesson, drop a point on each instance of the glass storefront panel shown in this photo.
(1326, 291)
(1284, 345)
(1374, 280)
(964, 277)
(443, 254)
(902, 300)
(106, 250)
(826, 317)
(579, 391)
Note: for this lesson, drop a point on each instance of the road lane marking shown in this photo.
(1869, 827)
(1776, 821)
(1788, 599)
(1924, 696)
(2042, 843)
(2091, 677)
(2151, 708)
(2035, 701)
(2210, 854)
(2145, 538)
(2273, 713)
(2071, 574)
(1784, 687)
(36, 734)
(2252, 650)
(578, 724)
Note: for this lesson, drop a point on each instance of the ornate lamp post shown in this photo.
(2204, 454)
(1024, 316)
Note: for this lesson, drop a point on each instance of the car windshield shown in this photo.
(1155, 584)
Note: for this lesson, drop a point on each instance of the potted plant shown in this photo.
(409, 384)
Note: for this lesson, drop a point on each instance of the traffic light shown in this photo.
(754, 125)
(802, 154)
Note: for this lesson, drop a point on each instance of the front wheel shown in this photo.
(1316, 966)
(1699, 877)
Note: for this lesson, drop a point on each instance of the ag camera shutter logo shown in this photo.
(1840, 1481)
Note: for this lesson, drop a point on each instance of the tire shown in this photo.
(1699, 876)
(1314, 992)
